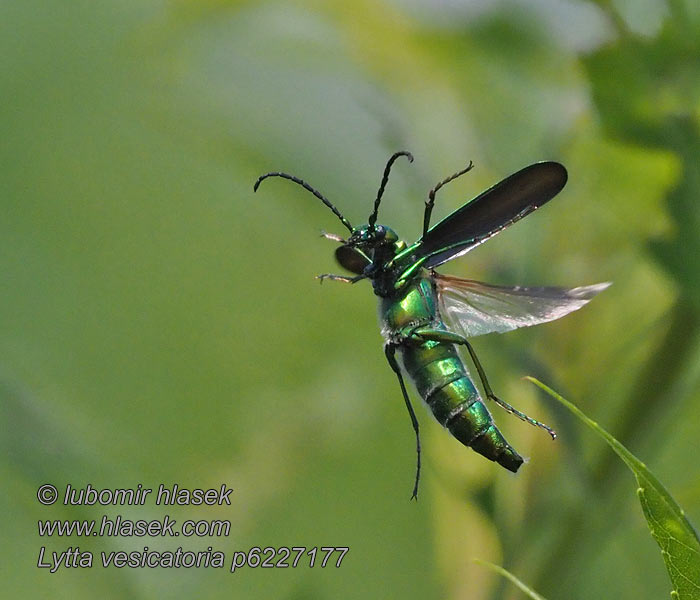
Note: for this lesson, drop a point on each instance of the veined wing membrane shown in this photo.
(474, 308)
(491, 212)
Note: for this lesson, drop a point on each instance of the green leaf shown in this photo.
(508, 575)
(680, 546)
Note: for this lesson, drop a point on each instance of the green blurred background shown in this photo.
(160, 324)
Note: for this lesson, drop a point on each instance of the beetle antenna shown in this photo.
(382, 186)
(307, 187)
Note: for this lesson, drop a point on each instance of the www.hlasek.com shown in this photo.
(118, 526)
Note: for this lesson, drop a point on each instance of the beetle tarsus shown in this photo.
(503, 404)
(521, 415)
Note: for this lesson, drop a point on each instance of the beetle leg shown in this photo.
(440, 335)
(332, 236)
(341, 278)
(390, 351)
(431, 195)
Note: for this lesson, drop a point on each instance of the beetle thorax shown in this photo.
(415, 303)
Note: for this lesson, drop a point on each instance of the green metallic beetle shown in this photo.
(426, 316)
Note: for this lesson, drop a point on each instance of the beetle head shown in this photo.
(368, 237)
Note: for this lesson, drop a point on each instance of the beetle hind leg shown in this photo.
(390, 351)
(454, 338)
(521, 415)
(502, 403)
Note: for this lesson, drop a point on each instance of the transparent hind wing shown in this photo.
(473, 308)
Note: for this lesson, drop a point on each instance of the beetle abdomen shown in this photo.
(442, 381)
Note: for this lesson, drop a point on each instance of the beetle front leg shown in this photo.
(448, 337)
(341, 278)
(333, 236)
(390, 351)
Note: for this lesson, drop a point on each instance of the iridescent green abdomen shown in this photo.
(439, 374)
